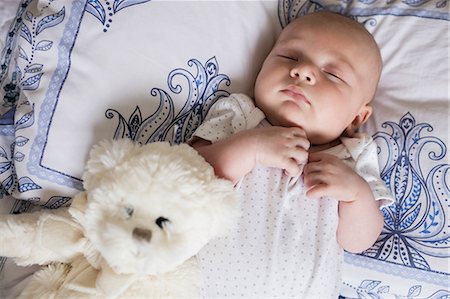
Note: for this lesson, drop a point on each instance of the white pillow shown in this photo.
(84, 80)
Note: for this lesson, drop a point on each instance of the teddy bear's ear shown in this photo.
(105, 156)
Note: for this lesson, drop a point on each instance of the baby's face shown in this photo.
(319, 76)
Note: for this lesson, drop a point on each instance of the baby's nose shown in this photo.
(142, 234)
(304, 73)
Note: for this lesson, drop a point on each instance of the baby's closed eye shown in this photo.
(334, 75)
(288, 57)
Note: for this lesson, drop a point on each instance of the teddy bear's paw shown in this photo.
(183, 282)
(47, 282)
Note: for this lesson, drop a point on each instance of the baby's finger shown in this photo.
(312, 179)
(301, 139)
(303, 143)
(318, 156)
(300, 155)
(312, 167)
(297, 132)
(291, 167)
(298, 141)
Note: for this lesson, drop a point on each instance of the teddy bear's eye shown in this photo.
(129, 211)
(160, 221)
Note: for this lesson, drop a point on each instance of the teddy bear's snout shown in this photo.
(142, 234)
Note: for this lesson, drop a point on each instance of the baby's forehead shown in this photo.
(329, 28)
(331, 41)
(324, 23)
(327, 18)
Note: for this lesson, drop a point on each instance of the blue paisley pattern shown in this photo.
(416, 226)
(104, 11)
(203, 89)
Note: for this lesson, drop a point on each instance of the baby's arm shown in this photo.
(238, 154)
(360, 218)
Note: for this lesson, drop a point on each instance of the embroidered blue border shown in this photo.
(419, 275)
(50, 102)
(289, 10)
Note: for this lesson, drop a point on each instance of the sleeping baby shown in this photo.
(309, 183)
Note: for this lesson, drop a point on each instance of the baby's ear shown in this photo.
(363, 115)
(104, 157)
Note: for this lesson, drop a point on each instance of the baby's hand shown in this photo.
(326, 175)
(285, 148)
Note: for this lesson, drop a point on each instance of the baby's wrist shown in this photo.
(361, 193)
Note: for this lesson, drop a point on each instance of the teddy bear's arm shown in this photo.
(17, 234)
(40, 237)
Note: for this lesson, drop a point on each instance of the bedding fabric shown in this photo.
(73, 72)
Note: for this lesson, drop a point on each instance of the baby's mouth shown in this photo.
(296, 94)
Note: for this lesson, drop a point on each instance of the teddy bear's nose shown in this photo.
(142, 234)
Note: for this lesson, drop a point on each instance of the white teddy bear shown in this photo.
(134, 231)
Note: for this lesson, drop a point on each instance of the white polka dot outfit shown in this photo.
(284, 245)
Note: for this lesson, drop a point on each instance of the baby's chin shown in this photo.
(287, 115)
(290, 115)
(322, 140)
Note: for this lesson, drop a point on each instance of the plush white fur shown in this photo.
(146, 211)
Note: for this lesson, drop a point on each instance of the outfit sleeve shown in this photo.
(228, 116)
(364, 152)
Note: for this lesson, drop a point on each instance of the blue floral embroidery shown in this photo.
(416, 226)
(11, 89)
(26, 75)
(163, 124)
(10, 41)
(11, 94)
(14, 155)
(375, 289)
(104, 12)
(30, 74)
